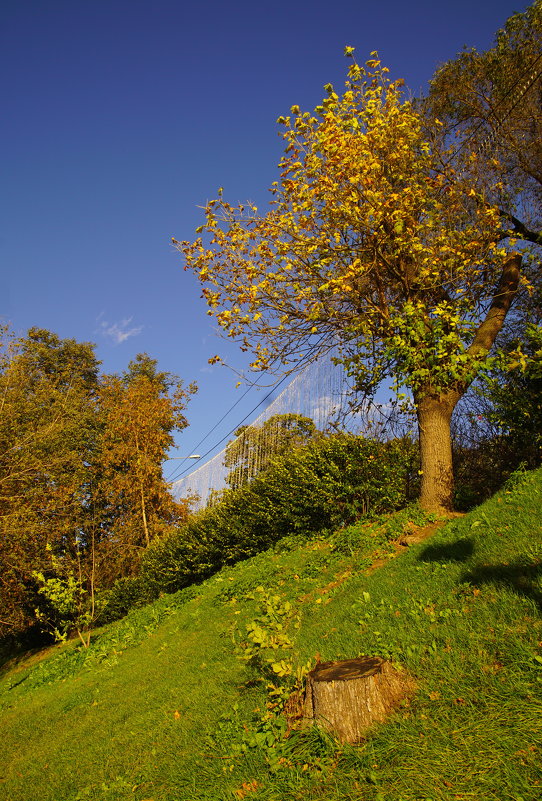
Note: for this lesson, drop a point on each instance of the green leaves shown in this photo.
(266, 635)
(282, 668)
(330, 482)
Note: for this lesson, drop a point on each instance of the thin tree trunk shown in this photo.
(142, 495)
(144, 516)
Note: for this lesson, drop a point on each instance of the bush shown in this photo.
(126, 593)
(501, 424)
(181, 559)
(328, 483)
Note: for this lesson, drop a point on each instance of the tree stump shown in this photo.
(347, 697)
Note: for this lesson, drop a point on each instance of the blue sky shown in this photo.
(121, 117)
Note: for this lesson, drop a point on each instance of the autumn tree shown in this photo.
(48, 430)
(81, 487)
(373, 241)
(141, 410)
(254, 447)
(490, 104)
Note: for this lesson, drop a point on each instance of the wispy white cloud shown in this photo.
(119, 331)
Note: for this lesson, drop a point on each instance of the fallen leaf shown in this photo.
(246, 788)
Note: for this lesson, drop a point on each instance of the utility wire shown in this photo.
(303, 363)
(233, 430)
(202, 440)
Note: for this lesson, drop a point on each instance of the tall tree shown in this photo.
(373, 240)
(48, 432)
(81, 487)
(141, 409)
(491, 102)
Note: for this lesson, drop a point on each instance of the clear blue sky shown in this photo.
(121, 117)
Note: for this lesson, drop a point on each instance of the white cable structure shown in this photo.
(318, 392)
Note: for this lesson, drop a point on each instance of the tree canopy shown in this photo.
(141, 410)
(492, 105)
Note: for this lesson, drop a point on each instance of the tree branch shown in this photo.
(522, 230)
(502, 300)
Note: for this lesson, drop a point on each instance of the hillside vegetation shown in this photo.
(173, 702)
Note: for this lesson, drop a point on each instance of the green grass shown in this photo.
(160, 707)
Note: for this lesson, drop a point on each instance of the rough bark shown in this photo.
(502, 300)
(434, 413)
(348, 697)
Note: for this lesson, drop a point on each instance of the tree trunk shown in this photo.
(144, 516)
(434, 413)
(348, 697)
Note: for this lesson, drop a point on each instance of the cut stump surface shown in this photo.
(349, 696)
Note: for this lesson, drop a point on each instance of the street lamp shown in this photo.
(192, 456)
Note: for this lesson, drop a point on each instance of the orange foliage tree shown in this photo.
(81, 485)
(372, 241)
(141, 410)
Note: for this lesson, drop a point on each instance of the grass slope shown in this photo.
(161, 708)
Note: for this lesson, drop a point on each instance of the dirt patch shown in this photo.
(412, 536)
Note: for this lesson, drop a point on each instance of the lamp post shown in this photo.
(174, 458)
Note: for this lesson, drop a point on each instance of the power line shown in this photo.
(188, 469)
(202, 440)
(233, 430)
(302, 364)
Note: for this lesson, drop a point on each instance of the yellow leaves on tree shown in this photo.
(366, 218)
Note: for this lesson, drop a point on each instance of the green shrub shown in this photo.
(179, 560)
(349, 540)
(328, 483)
(126, 593)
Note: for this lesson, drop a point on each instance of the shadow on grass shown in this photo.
(520, 576)
(458, 551)
(15, 649)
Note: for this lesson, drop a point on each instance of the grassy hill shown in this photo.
(162, 707)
